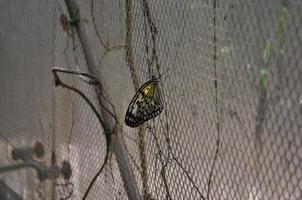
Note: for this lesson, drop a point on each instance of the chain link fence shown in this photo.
(232, 95)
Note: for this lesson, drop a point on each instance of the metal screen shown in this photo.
(231, 80)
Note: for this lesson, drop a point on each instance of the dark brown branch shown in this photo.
(162, 171)
(142, 130)
(130, 62)
(58, 82)
(149, 24)
(72, 123)
(95, 27)
(161, 154)
(112, 128)
(167, 139)
(212, 168)
(188, 176)
(129, 47)
(216, 100)
(107, 47)
(93, 81)
(163, 174)
(134, 162)
(143, 158)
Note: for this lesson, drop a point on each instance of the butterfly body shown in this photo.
(145, 105)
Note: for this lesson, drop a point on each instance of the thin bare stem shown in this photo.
(163, 174)
(216, 101)
(167, 139)
(112, 128)
(212, 168)
(94, 80)
(162, 171)
(58, 82)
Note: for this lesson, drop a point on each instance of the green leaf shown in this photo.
(267, 51)
(74, 20)
(282, 23)
(264, 78)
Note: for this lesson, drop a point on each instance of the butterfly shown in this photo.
(146, 104)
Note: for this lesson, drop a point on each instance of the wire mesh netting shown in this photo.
(230, 81)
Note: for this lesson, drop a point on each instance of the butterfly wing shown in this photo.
(145, 105)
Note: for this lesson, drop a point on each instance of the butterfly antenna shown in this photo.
(165, 72)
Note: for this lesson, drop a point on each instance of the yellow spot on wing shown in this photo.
(148, 90)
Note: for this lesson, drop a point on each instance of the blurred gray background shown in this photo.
(233, 64)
